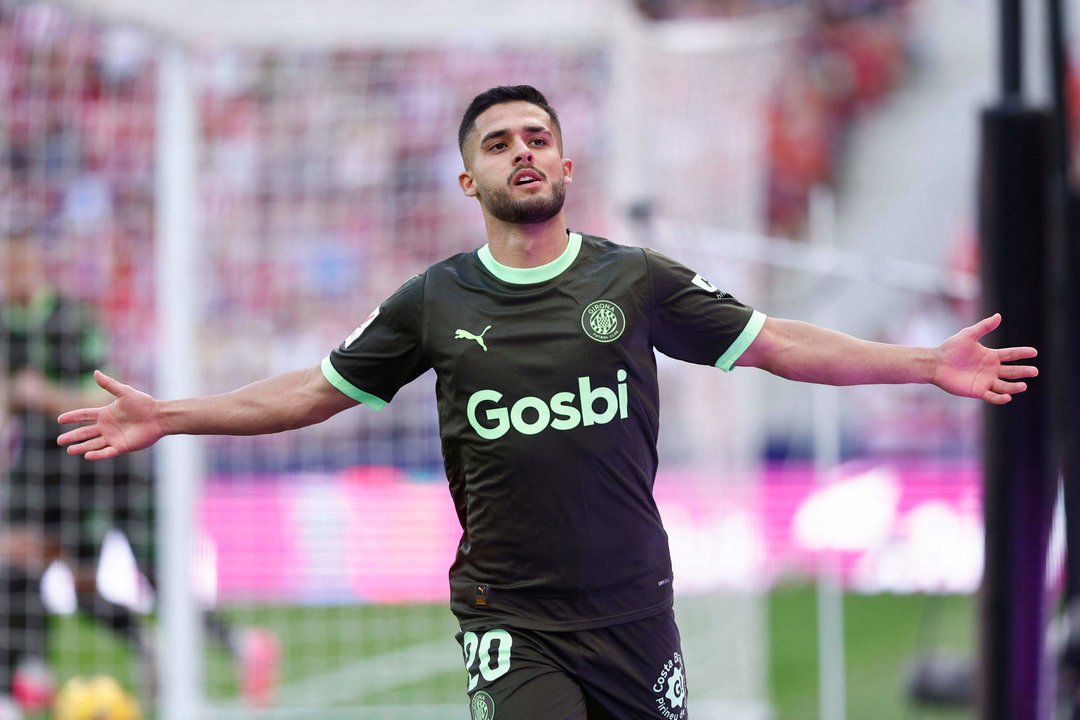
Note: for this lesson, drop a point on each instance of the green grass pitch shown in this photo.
(883, 633)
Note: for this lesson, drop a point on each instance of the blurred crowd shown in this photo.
(852, 54)
(76, 136)
(325, 177)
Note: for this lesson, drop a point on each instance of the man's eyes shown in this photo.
(537, 142)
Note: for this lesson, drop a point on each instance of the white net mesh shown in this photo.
(76, 138)
(326, 177)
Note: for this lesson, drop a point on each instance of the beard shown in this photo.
(526, 211)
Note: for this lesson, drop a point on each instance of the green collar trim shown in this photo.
(530, 276)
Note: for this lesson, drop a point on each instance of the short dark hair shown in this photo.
(498, 96)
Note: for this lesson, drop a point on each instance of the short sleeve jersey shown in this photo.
(548, 408)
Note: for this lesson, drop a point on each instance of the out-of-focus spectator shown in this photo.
(802, 137)
(852, 57)
(54, 507)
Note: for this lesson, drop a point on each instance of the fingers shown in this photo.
(1014, 372)
(92, 445)
(80, 415)
(985, 326)
(1001, 392)
(78, 435)
(105, 454)
(1007, 388)
(115, 387)
(1016, 353)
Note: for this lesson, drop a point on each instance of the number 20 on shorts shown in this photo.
(479, 661)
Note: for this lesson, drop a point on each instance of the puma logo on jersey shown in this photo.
(565, 411)
(466, 335)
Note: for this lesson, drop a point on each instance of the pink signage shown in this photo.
(375, 534)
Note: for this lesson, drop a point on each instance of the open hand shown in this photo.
(131, 422)
(968, 368)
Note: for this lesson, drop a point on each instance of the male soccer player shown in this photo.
(543, 345)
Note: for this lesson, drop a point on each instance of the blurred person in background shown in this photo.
(56, 508)
(543, 341)
(52, 509)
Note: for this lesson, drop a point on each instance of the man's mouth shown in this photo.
(526, 177)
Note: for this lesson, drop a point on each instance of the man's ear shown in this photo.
(567, 170)
(467, 183)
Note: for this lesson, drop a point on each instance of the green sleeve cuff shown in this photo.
(335, 379)
(737, 348)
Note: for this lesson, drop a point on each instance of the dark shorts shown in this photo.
(631, 671)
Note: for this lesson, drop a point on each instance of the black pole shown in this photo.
(1067, 417)
(1020, 482)
(1065, 309)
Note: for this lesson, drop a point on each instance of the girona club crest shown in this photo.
(603, 321)
(482, 706)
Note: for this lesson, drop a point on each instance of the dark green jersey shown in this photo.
(548, 411)
(57, 337)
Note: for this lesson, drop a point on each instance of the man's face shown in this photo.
(514, 164)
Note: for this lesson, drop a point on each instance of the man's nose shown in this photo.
(523, 155)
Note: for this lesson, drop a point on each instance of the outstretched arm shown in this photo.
(135, 420)
(961, 365)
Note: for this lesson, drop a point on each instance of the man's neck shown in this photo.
(526, 246)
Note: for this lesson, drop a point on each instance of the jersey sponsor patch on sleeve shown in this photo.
(708, 286)
(361, 327)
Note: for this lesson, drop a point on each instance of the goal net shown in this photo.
(326, 170)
